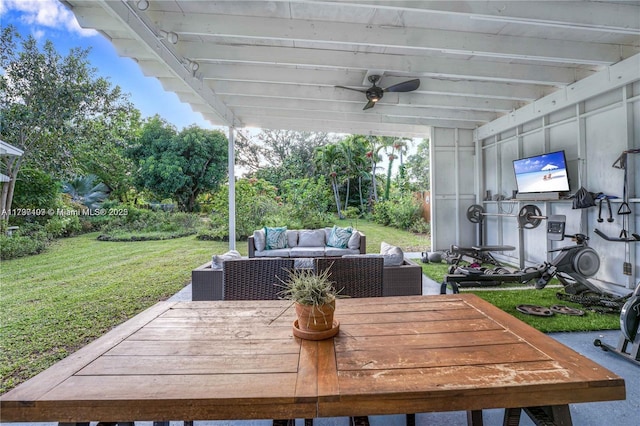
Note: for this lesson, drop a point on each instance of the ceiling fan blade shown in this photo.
(369, 104)
(406, 86)
(355, 90)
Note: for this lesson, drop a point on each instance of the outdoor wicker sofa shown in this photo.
(402, 280)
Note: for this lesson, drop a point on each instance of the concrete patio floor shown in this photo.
(619, 413)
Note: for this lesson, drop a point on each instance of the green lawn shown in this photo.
(509, 295)
(53, 303)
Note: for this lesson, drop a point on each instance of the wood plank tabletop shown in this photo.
(178, 361)
(239, 360)
(450, 352)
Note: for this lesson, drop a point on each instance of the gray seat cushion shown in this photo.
(273, 253)
(332, 251)
(307, 251)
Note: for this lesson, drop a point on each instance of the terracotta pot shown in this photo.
(315, 318)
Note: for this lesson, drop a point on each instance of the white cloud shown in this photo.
(45, 13)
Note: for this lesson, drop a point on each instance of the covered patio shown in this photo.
(498, 81)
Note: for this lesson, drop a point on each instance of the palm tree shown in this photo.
(327, 159)
(398, 146)
(85, 190)
(376, 145)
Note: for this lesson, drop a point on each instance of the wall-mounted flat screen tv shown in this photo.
(542, 173)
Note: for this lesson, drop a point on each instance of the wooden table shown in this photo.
(228, 360)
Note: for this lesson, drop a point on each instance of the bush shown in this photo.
(133, 219)
(402, 212)
(63, 226)
(29, 239)
(255, 200)
(35, 189)
(420, 226)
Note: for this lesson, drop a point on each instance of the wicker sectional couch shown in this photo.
(306, 243)
(402, 280)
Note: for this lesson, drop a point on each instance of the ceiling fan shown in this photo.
(375, 93)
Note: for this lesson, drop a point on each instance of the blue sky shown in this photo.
(50, 20)
(536, 164)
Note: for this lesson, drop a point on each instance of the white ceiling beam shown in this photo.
(614, 77)
(163, 52)
(615, 17)
(283, 74)
(361, 116)
(252, 90)
(341, 127)
(94, 17)
(417, 65)
(420, 39)
(416, 100)
(336, 123)
(351, 110)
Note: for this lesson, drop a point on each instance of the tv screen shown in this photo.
(542, 173)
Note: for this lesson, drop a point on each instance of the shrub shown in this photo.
(63, 226)
(420, 226)
(136, 224)
(255, 200)
(401, 212)
(29, 239)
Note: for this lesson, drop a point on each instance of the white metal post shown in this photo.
(232, 190)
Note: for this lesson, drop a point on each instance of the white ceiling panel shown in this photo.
(276, 64)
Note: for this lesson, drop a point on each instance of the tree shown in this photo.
(85, 190)
(394, 147)
(180, 166)
(376, 144)
(419, 166)
(49, 105)
(354, 151)
(328, 160)
(278, 155)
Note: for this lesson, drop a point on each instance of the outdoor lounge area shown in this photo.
(530, 112)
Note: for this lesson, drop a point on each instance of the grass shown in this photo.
(53, 303)
(377, 233)
(509, 295)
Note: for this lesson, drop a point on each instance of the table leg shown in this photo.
(512, 416)
(558, 415)
(411, 420)
(474, 418)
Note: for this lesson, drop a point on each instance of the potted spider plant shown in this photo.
(314, 297)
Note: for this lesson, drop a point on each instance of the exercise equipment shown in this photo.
(474, 254)
(572, 266)
(529, 217)
(629, 344)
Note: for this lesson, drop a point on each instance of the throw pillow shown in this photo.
(393, 256)
(354, 240)
(339, 237)
(307, 238)
(276, 238)
(259, 239)
(217, 260)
